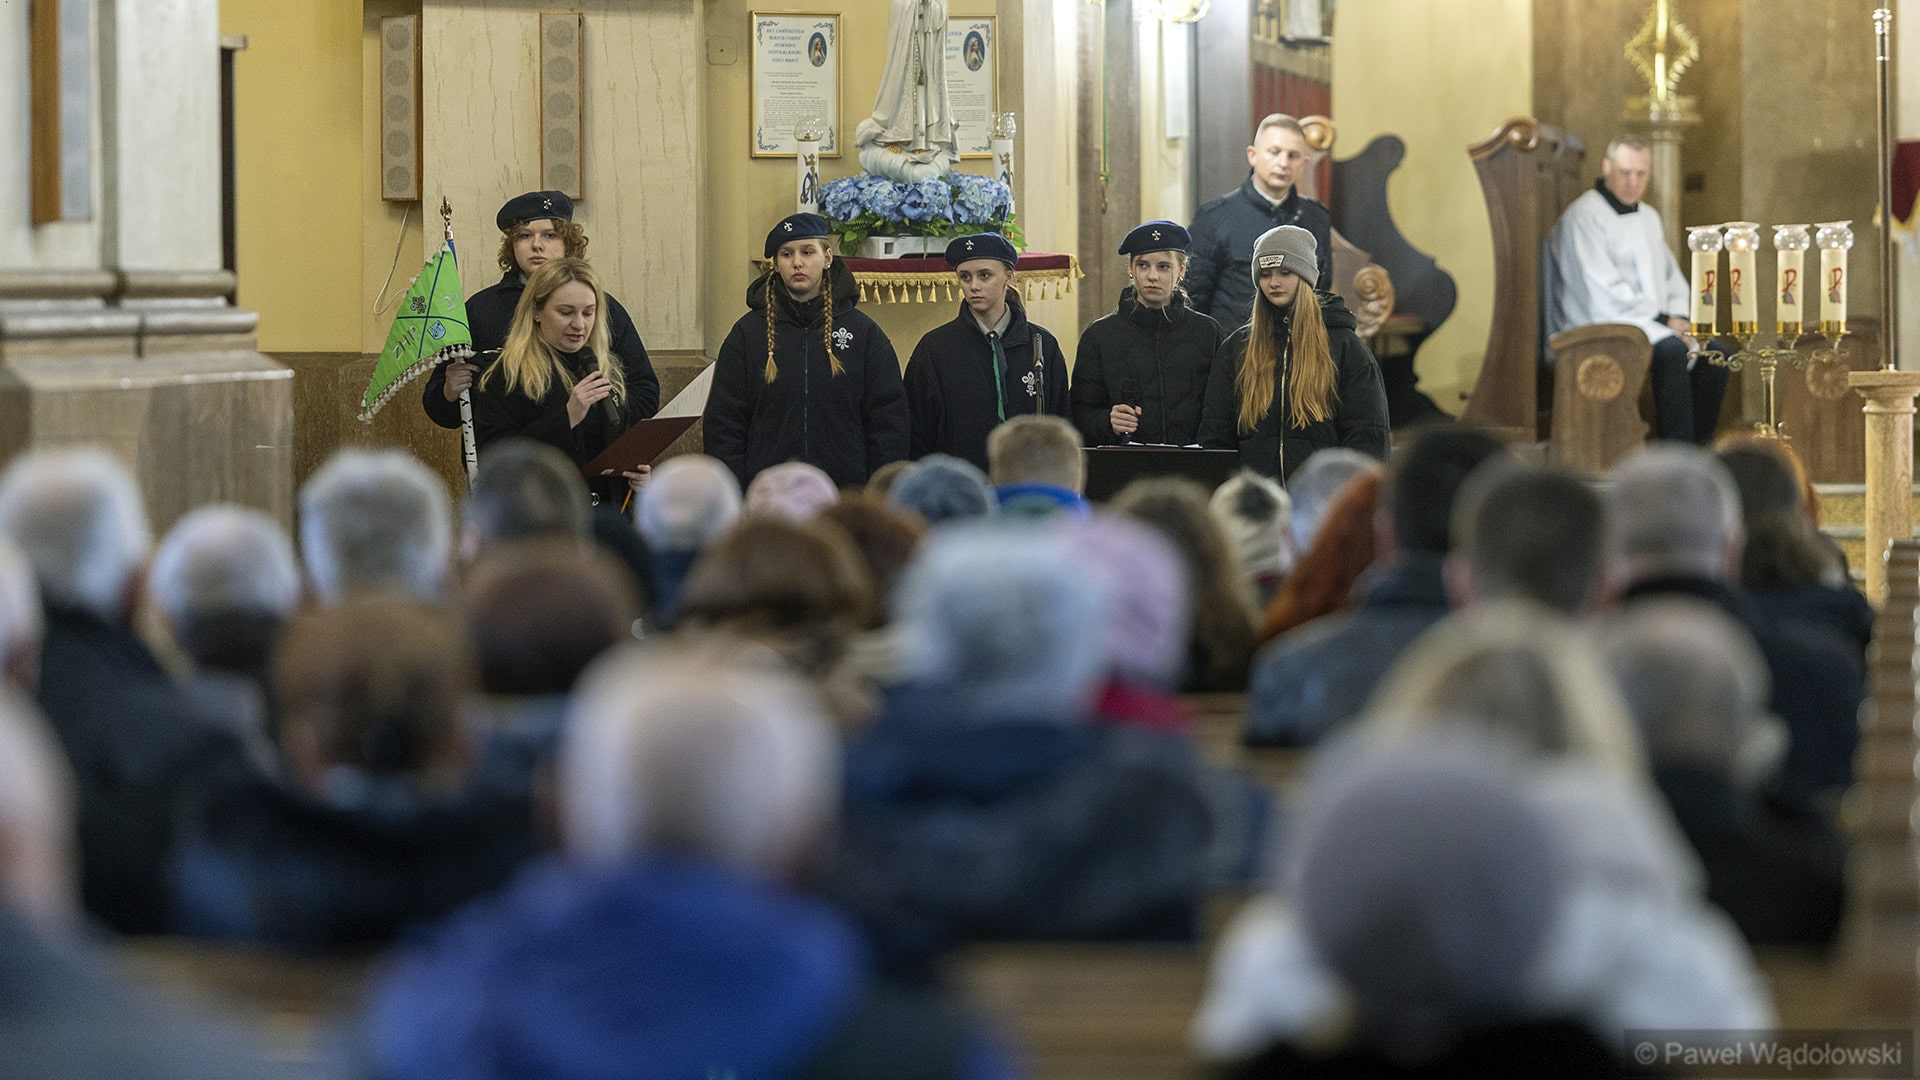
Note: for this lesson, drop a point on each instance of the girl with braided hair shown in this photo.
(803, 375)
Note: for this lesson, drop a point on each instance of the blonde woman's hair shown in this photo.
(1311, 394)
(1515, 670)
(772, 279)
(527, 363)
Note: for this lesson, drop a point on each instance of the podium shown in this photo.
(1110, 468)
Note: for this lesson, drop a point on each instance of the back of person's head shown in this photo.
(1345, 544)
(1515, 672)
(225, 580)
(78, 518)
(375, 520)
(717, 763)
(1428, 881)
(1313, 485)
(1529, 532)
(1043, 450)
(1222, 602)
(1007, 618)
(687, 502)
(524, 489)
(22, 622)
(769, 574)
(793, 490)
(1149, 605)
(880, 484)
(1425, 478)
(941, 488)
(1783, 549)
(1673, 510)
(37, 852)
(1253, 512)
(1697, 687)
(374, 688)
(539, 611)
(885, 540)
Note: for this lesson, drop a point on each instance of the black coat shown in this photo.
(502, 414)
(490, 314)
(1359, 417)
(950, 383)
(1157, 360)
(848, 424)
(1220, 267)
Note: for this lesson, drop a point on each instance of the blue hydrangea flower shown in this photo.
(883, 199)
(840, 199)
(926, 201)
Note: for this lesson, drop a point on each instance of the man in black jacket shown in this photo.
(1220, 282)
(535, 228)
(1141, 372)
(969, 375)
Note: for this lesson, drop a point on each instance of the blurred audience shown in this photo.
(1037, 466)
(527, 490)
(134, 741)
(375, 521)
(1254, 510)
(1315, 484)
(23, 625)
(1315, 678)
(381, 816)
(1697, 687)
(942, 488)
(687, 504)
(1221, 637)
(794, 490)
(880, 484)
(1527, 532)
(1324, 574)
(1149, 608)
(671, 940)
(1674, 529)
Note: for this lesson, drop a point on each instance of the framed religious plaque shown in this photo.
(973, 83)
(796, 76)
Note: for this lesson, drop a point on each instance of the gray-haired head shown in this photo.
(664, 753)
(941, 488)
(1697, 686)
(687, 503)
(375, 520)
(1673, 509)
(78, 518)
(1313, 486)
(222, 559)
(22, 622)
(795, 490)
(1006, 616)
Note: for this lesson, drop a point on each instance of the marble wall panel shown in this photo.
(66, 245)
(161, 126)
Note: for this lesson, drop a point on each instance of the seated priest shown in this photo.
(1607, 262)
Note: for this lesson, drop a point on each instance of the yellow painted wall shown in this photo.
(297, 185)
(381, 222)
(1441, 74)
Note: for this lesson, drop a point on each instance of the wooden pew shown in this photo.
(293, 996)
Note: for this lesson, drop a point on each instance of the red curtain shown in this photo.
(1276, 91)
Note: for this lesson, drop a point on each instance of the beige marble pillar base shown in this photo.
(1889, 409)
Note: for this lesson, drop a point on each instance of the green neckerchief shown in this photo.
(999, 361)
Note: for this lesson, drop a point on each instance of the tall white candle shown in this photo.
(1792, 294)
(1833, 283)
(1705, 290)
(1743, 286)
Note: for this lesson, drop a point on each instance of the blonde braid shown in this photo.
(772, 370)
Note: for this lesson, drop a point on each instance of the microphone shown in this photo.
(1128, 395)
(1039, 375)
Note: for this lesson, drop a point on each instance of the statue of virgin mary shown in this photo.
(912, 135)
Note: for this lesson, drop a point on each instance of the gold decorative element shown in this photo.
(1374, 289)
(1320, 132)
(1522, 131)
(1600, 378)
(1661, 52)
(1827, 380)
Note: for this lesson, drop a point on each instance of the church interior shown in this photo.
(212, 215)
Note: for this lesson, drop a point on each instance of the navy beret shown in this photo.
(797, 227)
(984, 245)
(533, 206)
(1155, 236)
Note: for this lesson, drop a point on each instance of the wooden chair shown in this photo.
(1600, 373)
(1365, 285)
(1529, 172)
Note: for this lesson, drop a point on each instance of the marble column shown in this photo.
(1889, 496)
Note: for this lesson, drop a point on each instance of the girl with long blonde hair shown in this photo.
(1296, 378)
(556, 380)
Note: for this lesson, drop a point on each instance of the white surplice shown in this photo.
(1605, 266)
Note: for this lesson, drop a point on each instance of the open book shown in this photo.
(645, 441)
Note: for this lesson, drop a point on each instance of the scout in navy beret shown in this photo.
(796, 227)
(981, 246)
(1155, 236)
(533, 206)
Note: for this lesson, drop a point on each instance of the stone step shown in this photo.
(1846, 504)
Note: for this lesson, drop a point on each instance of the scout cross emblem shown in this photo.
(1156, 234)
(546, 204)
(842, 337)
(969, 245)
(787, 225)
(1028, 380)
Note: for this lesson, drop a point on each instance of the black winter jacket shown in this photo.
(1359, 417)
(502, 414)
(1157, 360)
(950, 383)
(848, 424)
(490, 314)
(1220, 270)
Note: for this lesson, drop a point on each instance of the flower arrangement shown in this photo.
(953, 205)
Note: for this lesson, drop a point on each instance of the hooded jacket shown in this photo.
(848, 424)
(1220, 268)
(1155, 359)
(1359, 417)
(950, 383)
(490, 315)
(499, 413)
